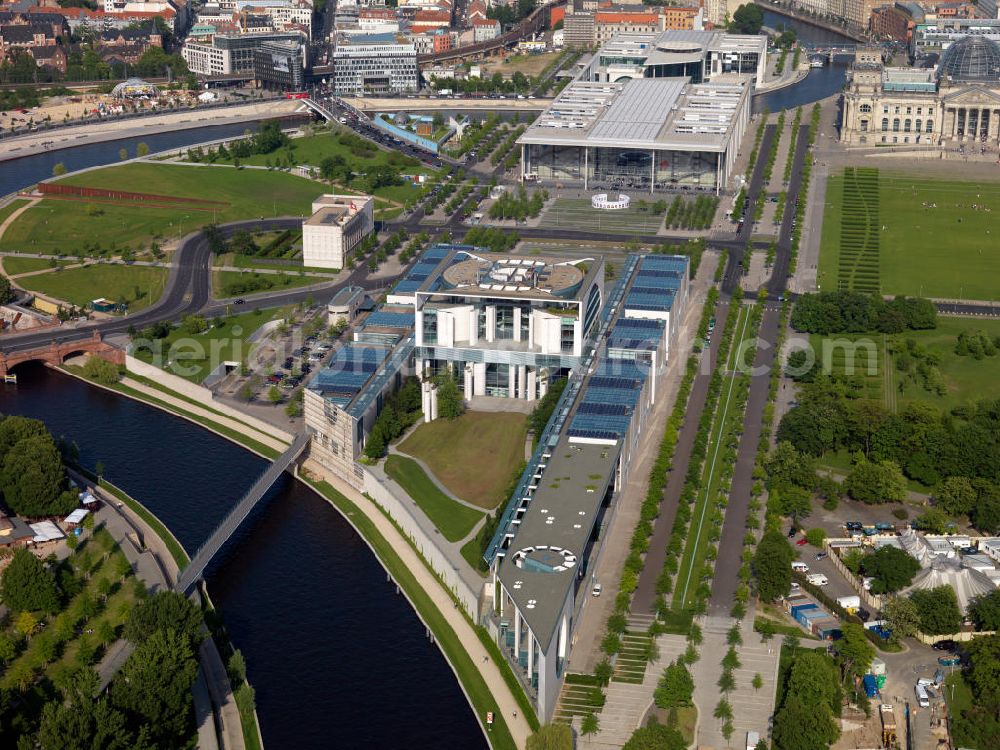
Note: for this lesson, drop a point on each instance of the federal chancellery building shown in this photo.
(956, 103)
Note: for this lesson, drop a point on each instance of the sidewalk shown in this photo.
(204, 413)
(506, 703)
(752, 709)
(154, 565)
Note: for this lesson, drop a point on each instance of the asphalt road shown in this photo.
(729, 560)
(644, 599)
(188, 291)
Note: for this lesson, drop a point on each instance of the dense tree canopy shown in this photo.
(747, 19)
(772, 566)
(153, 689)
(163, 610)
(675, 688)
(805, 720)
(901, 617)
(852, 312)
(985, 611)
(892, 568)
(656, 737)
(938, 610)
(26, 584)
(979, 724)
(876, 482)
(955, 496)
(33, 478)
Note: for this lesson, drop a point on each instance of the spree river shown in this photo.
(337, 658)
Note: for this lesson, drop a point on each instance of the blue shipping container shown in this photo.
(871, 687)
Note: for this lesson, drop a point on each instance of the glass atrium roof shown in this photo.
(973, 58)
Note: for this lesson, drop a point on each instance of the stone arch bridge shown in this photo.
(56, 352)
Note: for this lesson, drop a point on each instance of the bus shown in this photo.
(297, 95)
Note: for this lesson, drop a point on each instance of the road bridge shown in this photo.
(423, 103)
(56, 351)
(225, 530)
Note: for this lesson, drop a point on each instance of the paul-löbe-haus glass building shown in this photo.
(649, 113)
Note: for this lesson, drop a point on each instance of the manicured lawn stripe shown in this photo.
(452, 519)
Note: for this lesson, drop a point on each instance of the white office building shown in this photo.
(360, 69)
(338, 223)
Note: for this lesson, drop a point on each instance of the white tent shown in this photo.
(944, 571)
(46, 531)
(76, 516)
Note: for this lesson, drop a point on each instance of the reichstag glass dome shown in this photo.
(973, 58)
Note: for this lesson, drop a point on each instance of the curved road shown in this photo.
(188, 291)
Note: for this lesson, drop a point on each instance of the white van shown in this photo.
(800, 567)
(817, 579)
(922, 700)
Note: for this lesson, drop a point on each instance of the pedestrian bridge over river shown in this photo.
(225, 530)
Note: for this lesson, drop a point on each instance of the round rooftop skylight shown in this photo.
(544, 559)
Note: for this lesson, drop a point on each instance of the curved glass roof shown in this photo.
(973, 58)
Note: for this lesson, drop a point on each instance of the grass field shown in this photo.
(530, 65)
(856, 233)
(491, 442)
(11, 208)
(193, 357)
(289, 280)
(452, 519)
(13, 266)
(577, 213)
(861, 356)
(78, 286)
(937, 239)
(958, 696)
(966, 379)
(59, 226)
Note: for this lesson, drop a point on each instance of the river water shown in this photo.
(337, 658)
(821, 82)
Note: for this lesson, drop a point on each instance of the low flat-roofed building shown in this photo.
(644, 134)
(978, 562)
(990, 547)
(337, 225)
(345, 305)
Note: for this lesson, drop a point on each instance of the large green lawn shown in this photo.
(934, 242)
(11, 208)
(13, 266)
(193, 357)
(222, 281)
(452, 519)
(60, 226)
(966, 378)
(491, 442)
(139, 286)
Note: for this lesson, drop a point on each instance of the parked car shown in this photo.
(596, 591)
(820, 555)
(947, 645)
(801, 542)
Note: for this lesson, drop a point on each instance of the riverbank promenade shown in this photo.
(507, 705)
